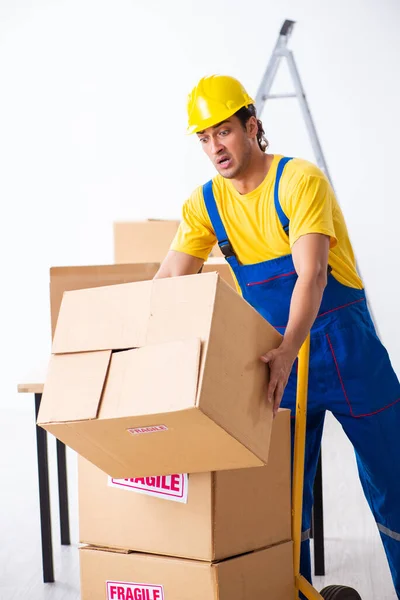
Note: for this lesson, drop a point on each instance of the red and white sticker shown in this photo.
(119, 590)
(148, 429)
(169, 487)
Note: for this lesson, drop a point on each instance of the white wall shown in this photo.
(92, 129)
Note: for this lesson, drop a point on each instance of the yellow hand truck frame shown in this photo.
(333, 592)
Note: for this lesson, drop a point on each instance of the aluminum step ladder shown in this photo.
(280, 52)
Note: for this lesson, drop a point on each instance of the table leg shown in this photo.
(318, 522)
(44, 498)
(63, 493)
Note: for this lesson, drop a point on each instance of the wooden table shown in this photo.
(44, 492)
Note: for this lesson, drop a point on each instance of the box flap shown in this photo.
(104, 318)
(132, 315)
(105, 549)
(73, 387)
(182, 307)
(64, 279)
(158, 378)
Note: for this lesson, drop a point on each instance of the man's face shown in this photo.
(228, 145)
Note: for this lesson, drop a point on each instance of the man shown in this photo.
(283, 234)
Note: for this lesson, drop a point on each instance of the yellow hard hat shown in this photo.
(214, 99)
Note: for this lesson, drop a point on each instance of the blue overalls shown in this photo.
(350, 375)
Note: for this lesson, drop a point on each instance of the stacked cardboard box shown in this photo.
(263, 575)
(204, 535)
(163, 377)
(143, 241)
(205, 516)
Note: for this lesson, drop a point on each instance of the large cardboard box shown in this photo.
(262, 575)
(211, 516)
(64, 279)
(145, 241)
(160, 377)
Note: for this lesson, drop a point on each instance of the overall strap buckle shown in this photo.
(226, 248)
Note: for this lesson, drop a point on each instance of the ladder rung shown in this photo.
(278, 96)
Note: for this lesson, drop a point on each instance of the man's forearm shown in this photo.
(176, 264)
(310, 257)
(304, 306)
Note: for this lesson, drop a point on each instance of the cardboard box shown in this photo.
(146, 241)
(64, 279)
(263, 575)
(143, 241)
(225, 514)
(160, 377)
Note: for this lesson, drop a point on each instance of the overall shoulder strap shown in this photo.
(216, 221)
(282, 216)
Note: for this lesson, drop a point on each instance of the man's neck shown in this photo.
(255, 173)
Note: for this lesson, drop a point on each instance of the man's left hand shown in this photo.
(280, 363)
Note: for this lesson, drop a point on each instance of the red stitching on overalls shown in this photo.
(339, 375)
(345, 393)
(378, 411)
(327, 312)
(339, 307)
(270, 279)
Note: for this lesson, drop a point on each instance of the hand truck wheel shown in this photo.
(339, 592)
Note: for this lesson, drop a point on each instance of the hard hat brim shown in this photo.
(212, 121)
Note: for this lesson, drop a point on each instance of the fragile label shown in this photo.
(149, 429)
(118, 590)
(168, 487)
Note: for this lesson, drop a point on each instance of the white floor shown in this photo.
(354, 555)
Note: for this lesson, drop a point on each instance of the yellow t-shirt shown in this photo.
(253, 226)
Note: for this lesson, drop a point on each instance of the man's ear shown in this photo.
(252, 127)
